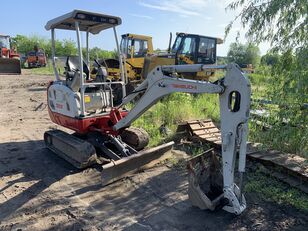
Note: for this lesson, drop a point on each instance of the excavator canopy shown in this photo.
(88, 21)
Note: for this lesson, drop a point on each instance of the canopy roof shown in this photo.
(88, 21)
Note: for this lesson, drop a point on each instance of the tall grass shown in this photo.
(286, 119)
(174, 109)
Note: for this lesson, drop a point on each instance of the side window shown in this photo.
(140, 48)
(176, 44)
(189, 46)
(125, 47)
(206, 51)
(129, 48)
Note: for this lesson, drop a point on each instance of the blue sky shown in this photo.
(150, 17)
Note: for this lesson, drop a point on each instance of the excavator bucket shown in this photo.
(10, 66)
(205, 189)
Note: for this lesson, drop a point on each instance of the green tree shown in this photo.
(244, 54)
(25, 44)
(284, 24)
(270, 59)
(69, 48)
(98, 53)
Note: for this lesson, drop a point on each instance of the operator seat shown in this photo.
(72, 69)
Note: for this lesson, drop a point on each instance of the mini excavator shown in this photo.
(103, 133)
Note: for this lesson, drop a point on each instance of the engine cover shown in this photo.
(63, 100)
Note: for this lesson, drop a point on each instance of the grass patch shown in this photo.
(270, 189)
(48, 70)
(174, 109)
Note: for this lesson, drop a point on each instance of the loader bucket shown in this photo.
(10, 66)
(205, 188)
(118, 169)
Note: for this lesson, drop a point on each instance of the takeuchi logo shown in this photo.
(184, 86)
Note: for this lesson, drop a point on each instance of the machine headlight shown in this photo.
(81, 16)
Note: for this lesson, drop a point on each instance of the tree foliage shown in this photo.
(64, 47)
(283, 23)
(244, 54)
(270, 59)
(97, 53)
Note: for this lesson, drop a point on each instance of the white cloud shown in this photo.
(171, 7)
(141, 16)
(185, 7)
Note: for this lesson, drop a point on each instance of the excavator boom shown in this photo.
(234, 95)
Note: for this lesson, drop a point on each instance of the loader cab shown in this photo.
(186, 49)
(5, 41)
(5, 46)
(135, 48)
(195, 49)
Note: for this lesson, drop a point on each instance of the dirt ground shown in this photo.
(39, 191)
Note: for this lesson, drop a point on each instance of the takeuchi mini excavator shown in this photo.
(102, 129)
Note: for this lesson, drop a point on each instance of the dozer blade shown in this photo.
(77, 152)
(205, 188)
(118, 169)
(10, 66)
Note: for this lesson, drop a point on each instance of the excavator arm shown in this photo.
(234, 96)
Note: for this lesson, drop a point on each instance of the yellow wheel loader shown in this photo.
(134, 48)
(137, 51)
(187, 49)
